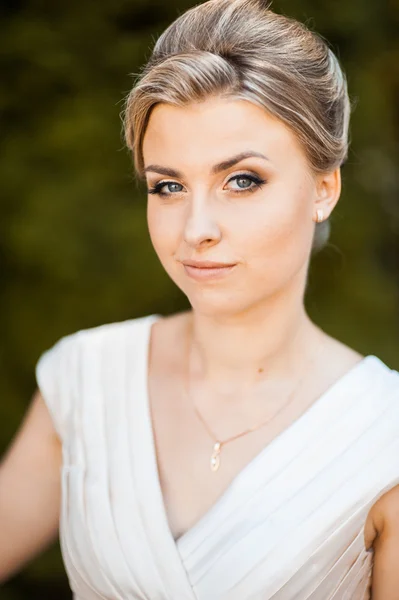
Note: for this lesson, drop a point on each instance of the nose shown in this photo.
(201, 227)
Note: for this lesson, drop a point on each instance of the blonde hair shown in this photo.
(241, 49)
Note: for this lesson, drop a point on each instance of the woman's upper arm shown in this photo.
(385, 578)
(29, 489)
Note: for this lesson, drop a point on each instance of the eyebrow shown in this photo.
(222, 166)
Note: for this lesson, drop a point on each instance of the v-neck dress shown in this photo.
(289, 527)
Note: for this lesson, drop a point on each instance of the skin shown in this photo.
(267, 232)
(249, 333)
(29, 490)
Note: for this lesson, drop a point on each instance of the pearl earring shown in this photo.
(319, 215)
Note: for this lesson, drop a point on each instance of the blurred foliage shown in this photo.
(74, 245)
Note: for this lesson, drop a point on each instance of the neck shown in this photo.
(240, 353)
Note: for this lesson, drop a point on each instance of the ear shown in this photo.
(328, 190)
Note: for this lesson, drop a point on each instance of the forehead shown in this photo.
(203, 133)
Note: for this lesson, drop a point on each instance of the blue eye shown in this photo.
(255, 183)
(157, 189)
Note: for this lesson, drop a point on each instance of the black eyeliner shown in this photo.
(156, 189)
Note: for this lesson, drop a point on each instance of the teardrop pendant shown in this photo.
(215, 458)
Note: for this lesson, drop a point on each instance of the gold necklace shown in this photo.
(218, 444)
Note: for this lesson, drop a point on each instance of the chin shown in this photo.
(218, 305)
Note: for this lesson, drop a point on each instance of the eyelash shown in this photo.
(256, 180)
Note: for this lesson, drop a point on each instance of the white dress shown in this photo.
(291, 524)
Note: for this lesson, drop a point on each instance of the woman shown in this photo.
(233, 451)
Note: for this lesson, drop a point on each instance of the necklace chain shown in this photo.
(218, 444)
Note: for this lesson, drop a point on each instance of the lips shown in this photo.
(206, 264)
(202, 273)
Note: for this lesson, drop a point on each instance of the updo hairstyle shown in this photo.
(240, 49)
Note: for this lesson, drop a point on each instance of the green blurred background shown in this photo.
(74, 245)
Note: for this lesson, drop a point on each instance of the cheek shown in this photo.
(280, 239)
(161, 226)
(164, 227)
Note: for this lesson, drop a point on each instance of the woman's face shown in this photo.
(256, 212)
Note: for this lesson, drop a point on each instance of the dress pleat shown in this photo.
(290, 526)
